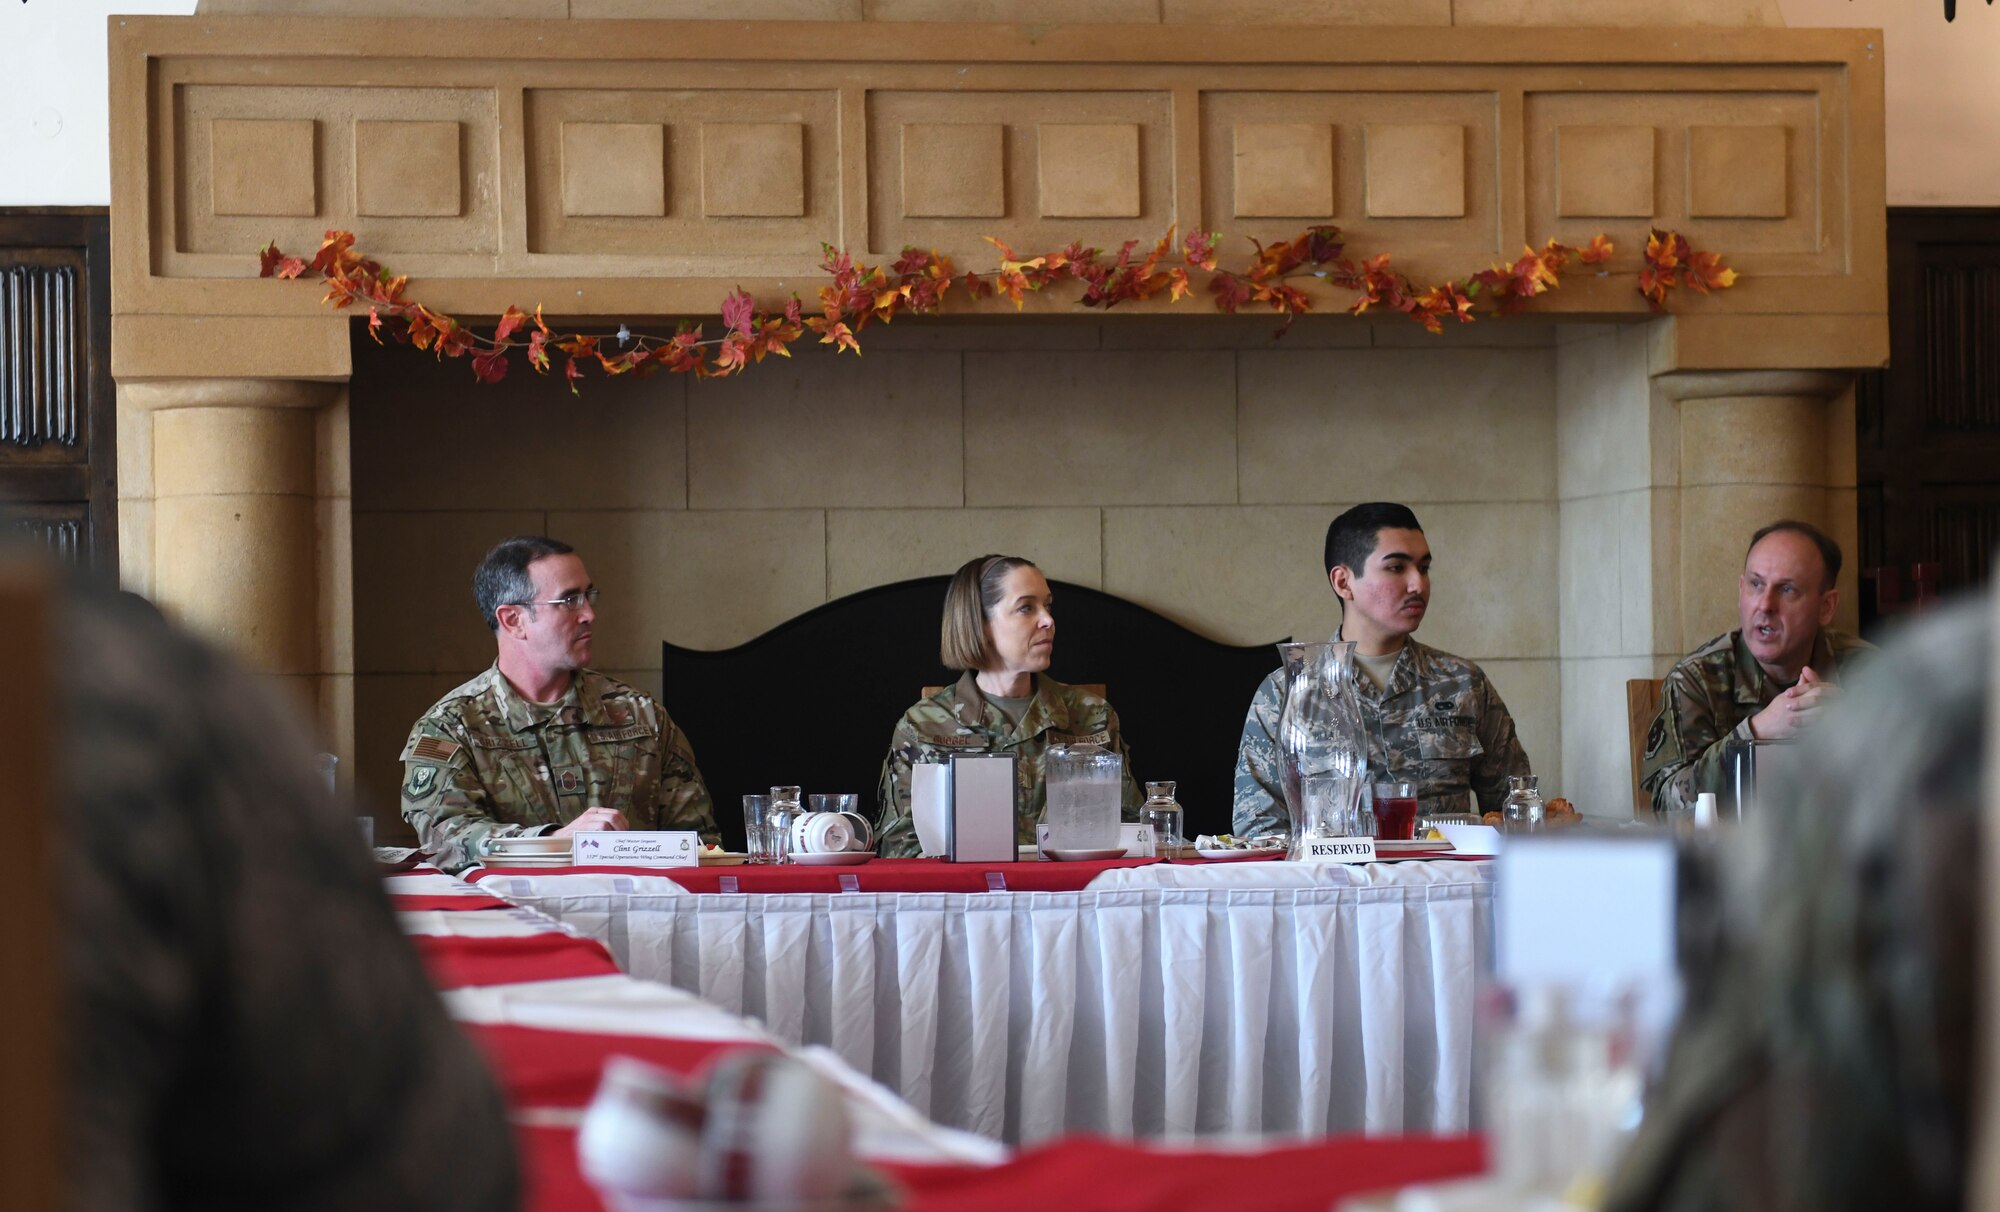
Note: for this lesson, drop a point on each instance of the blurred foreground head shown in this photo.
(245, 1026)
(1826, 1060)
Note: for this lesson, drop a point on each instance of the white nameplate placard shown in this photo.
(1338, 850)
(637, 848)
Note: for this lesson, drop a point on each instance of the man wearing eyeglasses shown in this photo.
(540, 743)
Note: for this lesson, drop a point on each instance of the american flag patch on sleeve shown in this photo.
(433, 749)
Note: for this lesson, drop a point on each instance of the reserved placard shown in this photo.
(637, 848)
(1338, 850)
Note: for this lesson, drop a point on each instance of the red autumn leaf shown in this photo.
(573, 371)
(1178, 288)
(737, 307)
(1323, 244)
(1199, 249)
(510, 323)
(375, 325)
(1705, 272)
(490, 366)
(538, 354)
(792, 310)
(1597, 252)
(1230, 292)
(731, 356)
(976, 286)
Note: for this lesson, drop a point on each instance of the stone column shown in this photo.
(1752, 447)
(234, 510)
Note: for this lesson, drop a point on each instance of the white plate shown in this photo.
(1238, 854)
(841, 858)
(1086, 856)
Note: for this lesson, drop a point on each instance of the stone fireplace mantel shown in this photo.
(609, 169)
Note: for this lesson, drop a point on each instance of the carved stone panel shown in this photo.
(407, 168)
(1283, 170)
(954, 170)
(263, 166)
(257, 163)
(1416, 170)
(1604, 171)
(1090, 166)
(722, 173)
(1737, 172)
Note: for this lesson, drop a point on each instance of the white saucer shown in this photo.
(1225, 855)
(839, 858)
(1086, 856)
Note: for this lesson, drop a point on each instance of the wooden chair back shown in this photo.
(31, 1060)
(1642, 703)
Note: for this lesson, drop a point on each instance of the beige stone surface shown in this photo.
(954, 170)
(819, 430)
(333, 447)
(1592, 563)
(263, 167)
(1596, 763)
(1088, 170)
(135, 451)
(1284, 169)
(1757, 440)
(1307, 12)
(1737, 172)
(427, 436)
(1494, 578)
(333, 528)
(1841, 467)
(241, 571)
(1532, 691)
(1186, 332)
(701, 579)
(1639, 570)
(238, 451)
(1616, 12)
(1515, 332)
(255, 348)
(720, 10)
(1062, 12)
(384, 8)
(407, 168)
(1603, 429)
(965, 334)
(1111, 428)
(1242, 575)
(614, 169)
(1416, 170)
(1462, 425)
(1716, 524)
(752, 169)
(866, 547)
(414, 611)
(135, 546)
(1604, 171)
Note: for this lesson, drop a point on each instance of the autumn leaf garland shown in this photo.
(918, 282)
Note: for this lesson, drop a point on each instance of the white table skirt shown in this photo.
(1264, 999)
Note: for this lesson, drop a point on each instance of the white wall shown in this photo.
(1942, 94)
(55, 126)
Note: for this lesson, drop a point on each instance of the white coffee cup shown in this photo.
(822, 833)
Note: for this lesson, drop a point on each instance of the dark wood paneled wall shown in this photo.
(1929, 426)
(58, 449)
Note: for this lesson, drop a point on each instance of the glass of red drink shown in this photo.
(1395, 811)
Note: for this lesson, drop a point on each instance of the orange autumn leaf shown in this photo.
(1597, 252)
(1706, 272)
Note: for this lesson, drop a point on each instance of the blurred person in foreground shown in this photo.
(540, 743)
(999, 627)
(1825, 1059)
(247, 1027)
(1432, 718)
(1768, 680)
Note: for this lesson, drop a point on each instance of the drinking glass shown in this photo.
(846, 801)
(1395, 811)
(1162, 813)
(757, 828)
(786, 805)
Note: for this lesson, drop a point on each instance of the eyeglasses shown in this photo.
(572, 600)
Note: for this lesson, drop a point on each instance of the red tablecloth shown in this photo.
(456, 962)
(414, 904)
(1081, 1174)
(539, 1068)
(876, 875)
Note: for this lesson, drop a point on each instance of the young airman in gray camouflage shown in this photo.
(1432, 718)
(1766, 680)
(539, 742)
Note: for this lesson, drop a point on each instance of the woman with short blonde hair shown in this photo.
(999, 629)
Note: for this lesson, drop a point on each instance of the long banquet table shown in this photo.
(548, 1006)
(1157, 1000)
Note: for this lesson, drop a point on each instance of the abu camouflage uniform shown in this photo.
(1708, 697)
(486, 762)
(958, 719)
(1828, 1054)
(1438, 723)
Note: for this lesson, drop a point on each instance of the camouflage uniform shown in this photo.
(486, 762)
(246, 1025)
(958, 719)
(1827, 1055)
(1709, 696)
(1438, 723)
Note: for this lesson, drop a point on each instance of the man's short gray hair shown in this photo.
(502, 577)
